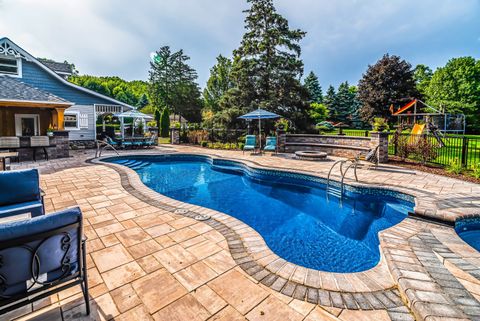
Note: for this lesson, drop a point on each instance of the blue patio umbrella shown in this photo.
(260, 114)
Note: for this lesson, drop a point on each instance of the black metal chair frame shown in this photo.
(47, 288)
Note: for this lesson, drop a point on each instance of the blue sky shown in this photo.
(115, 37)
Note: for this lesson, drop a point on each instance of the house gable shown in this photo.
(38, 75)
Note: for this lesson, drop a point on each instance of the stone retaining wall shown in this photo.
(343, 146)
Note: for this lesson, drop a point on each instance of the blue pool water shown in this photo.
(293, 215)
(469, 230)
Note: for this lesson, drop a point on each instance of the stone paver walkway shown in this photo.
(152, 262)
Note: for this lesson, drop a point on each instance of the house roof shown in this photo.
(8, 47)
(58, 67)
(14, 90)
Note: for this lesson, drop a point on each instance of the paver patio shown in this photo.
(146, 262)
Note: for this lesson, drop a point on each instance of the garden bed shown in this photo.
(432, 169)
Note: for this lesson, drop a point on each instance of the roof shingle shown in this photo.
(13, 89)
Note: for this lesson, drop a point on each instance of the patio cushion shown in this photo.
(33, 207)
(269, 147)
(57, 253)
(19, 186)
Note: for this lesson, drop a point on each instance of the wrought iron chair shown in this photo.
(20, 193)
(41, 256)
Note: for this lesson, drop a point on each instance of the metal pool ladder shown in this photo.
(353, 163)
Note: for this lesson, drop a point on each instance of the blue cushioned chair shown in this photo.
(250, 143)
(20, 193)
(41, 256)
(271, 145)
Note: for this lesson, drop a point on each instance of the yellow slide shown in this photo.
(416, 131)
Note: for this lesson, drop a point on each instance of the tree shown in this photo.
(218, 84)
(318, 112)
(165, 123)
(422, 75)
(158, 116)
(142, 102)
(330, 101)
(389, 81)
(456, 87)
(172, 83)
(267, 65)
(344, 106)
(313, 88)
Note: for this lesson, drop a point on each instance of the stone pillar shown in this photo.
(380, 139)
(61, 142)
(175, 136)
(281, 139)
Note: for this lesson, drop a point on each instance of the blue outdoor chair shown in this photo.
(271, 145)
(41, 256)
(250, 143)
(20, 193)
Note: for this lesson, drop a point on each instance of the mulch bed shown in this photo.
(432, 169)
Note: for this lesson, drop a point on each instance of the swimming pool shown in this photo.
(469, 230)
(290, 211)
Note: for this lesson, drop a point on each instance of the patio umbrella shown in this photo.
(260, 114)
(135, 114)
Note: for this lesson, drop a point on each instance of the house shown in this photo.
(35, 95)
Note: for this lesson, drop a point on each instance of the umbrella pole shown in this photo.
(260, 133)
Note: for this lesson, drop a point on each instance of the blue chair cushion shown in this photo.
(57, 254)
(19, 186)
(249, 147)
(33, 207)
(269, 148)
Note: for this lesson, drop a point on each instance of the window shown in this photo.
(10, 66)
(70, 120)
(27, 125)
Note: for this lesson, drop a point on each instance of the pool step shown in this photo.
(136, 164)
(334, 191)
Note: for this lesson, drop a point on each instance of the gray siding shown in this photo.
(84, 134)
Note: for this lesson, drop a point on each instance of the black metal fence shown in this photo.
(442, 150)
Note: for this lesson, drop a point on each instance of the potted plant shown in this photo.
(379, 124)
(50, 130)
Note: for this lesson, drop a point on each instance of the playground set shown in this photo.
(429, 120)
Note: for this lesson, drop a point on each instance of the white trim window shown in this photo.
(71, 120)
(27, 125)
(10, 66)
(83, 121)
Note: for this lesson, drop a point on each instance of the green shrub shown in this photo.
(475, 170)
(204, 143)
(326, 126)
(455, 166)
(241, 145)
(165, 123)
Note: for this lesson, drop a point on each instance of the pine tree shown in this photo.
(158, 116)
(344, 101)
(330, 100)
(314, 89)
(268, 65)
(219, 82)
(143, 101)
(172, 83)
(165, 123)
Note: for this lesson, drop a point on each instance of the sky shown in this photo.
(115, 37)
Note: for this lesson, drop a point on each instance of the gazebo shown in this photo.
(134, 114)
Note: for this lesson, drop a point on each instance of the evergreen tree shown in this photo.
(143, 101)
(314, 89)
(267, 65)
(165, 123)
(158, 116)
(343, 107)
(219, 82)
(330, 101)
(389, 81)
(172, 83)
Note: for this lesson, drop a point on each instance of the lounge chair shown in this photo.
(42, 256)
(250, 143)
(271, 144)
(150, 142)
(20, 193)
